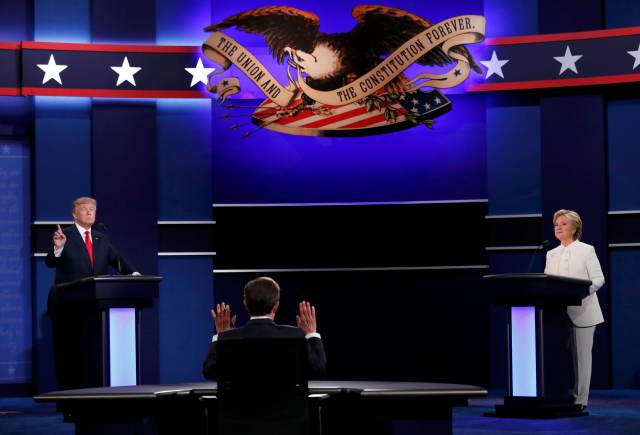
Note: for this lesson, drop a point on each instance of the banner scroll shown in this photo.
(449, 33)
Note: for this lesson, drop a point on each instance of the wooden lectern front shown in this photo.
(103, 316)
(540, 372)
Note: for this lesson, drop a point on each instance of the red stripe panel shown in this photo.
(572, 36)
(288, 119)
(537, 84)
(372, 120)
(10, 91)
(9, 45)
(112, 93)
(340, 117)
(330, 120)
(110, 47)
(264, 112)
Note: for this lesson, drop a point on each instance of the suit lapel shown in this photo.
(98, 244)
(79, 241)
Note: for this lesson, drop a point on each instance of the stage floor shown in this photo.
(613, 412)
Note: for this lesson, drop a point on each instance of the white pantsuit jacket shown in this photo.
(583, 263)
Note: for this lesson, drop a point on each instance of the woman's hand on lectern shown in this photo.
(222, 317)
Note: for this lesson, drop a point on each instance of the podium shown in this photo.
(103, 322)
(540, 370)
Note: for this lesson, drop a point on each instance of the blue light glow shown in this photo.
(122, 346)
(419, 164)
(523, 351)
(68, 22)
(63, 102)
(182, 23)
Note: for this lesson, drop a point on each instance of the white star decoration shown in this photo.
(636, 56)
(199, 73)
(568, 61)
(52, 70)
(126, 72)
(494, 66)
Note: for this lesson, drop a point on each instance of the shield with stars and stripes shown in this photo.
(380, 113)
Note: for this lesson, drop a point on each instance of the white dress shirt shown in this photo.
(57, 252)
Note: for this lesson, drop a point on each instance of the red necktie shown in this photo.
(87, 241)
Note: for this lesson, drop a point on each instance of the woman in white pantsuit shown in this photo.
(578, 260)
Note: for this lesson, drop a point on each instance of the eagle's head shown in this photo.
(324, 62)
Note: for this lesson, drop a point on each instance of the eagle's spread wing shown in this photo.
(381, 29)
(281, 26)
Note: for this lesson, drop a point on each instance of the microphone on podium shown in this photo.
(538, 248)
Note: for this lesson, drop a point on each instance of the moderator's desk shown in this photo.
(352, 407)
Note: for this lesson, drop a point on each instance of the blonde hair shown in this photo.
(83, 200)
(572, 217)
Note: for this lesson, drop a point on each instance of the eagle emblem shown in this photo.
(350, 83)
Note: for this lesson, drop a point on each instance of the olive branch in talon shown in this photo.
(417, 121)
(375, 102)
(293, 111)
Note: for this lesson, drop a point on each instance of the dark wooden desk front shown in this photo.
(370, 407)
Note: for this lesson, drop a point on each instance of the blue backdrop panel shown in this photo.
(513, 159)
(445, 163)
(57, 21)
(184, 193)
(504, 19)
(16, 20)
(44, 369)
(62, 155)
(184, 159)
(624, 154)
(186, 326)
(557, 16)
(124, 178)
(124, 183)
(625, 306)
(621, 13)
(123, 21)
(574, 168)
(15, 270)
(15, 116)
(182, 23)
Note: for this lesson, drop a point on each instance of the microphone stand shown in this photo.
(539, 248)
(106, 232)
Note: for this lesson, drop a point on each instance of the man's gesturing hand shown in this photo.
(222, 318)
(59, 239)
(306, 317)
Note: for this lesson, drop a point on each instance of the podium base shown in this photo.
(537, 407)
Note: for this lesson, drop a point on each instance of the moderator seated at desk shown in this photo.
(261, 298)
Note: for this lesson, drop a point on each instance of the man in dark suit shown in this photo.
(262, 299)
(77, 252)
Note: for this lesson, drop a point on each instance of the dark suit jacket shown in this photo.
(74, 263)
(267, 328)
